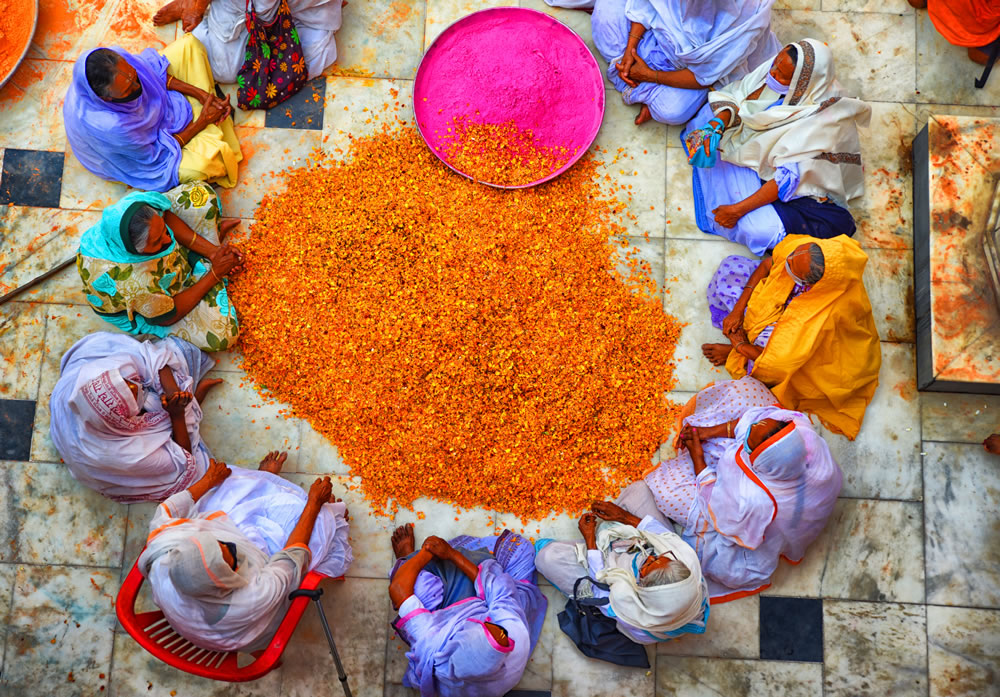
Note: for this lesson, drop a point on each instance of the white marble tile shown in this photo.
(267, 152)
(60, 631)
(855, 558)
(798, 5)
(538, 673)
(86, 191)
(680, 218)
(884, 213)
(945, 75)
(136, 531)
(22, 331)
(888, 278)
(688, 267)
(64, 326)
(441, 13)
(317, 455)
(884, 460)
(130, 25)
(356, 611)
(959, 418)
(963, 651)
(575, 675)
(707, 677)
(380, 38)
(137, 672)
(733, 631)
(359, 106)
(961, 491)
(634, 158)
(873, 58)
(431, 517)
(897, 7)
(240, 427)
(642, 250)
(44, 497)
(31, 106)
(874, 648)
(8, 575)
(924, 111)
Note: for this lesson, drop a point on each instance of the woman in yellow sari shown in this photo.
(800, 322)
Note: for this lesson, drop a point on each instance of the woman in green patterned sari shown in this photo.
(155, 265)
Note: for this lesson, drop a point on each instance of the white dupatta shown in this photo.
(815, 127)
(660, 610)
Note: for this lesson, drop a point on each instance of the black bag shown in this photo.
(596, 634)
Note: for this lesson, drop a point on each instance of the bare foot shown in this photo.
(204, 386)
(227, 225)
(403, 541)
(644, 115)
(716, 353)
(978, 55)
(272, 462)
(170, 12)
(919, 4)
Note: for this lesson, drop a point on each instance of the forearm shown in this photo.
(303, 529)
(167, 380)
(178, 428)
(635, 34)
(187, 89)
(758, 275)
(747, 350)
(683, 79)
(200, 488)
(698, 460)
(402, 583)
(187, 237)
(767, 193)
(186, 300)
(464, 565)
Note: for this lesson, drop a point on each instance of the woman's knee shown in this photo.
(609, 28)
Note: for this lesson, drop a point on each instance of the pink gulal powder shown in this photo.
(511, 64)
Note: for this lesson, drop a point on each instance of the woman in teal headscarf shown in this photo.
(154, 265)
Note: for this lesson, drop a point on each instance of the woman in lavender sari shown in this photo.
(469, 610)
(667, 54)
(152, 120)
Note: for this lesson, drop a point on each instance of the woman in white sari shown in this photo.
(223, 555)
(754, 484)
(789, 153)
(126, 415)
(667, 54)
(220, 26)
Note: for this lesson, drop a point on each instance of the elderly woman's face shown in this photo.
(761, 431)
(800, 261)
(159, 238)
(654, 562)
(124, 83)
(783, 68)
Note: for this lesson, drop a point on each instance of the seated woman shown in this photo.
(220, 27)
(152, 120)
(469, 610)
(665, 55)
(973, 24)
(801, 323)
(223, 555)
(126, 414)
(753, 483)
(657, 590)
(789, 152)
(154, 265)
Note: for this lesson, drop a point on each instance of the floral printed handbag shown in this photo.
(274, 67)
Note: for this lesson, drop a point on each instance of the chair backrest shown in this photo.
(153, 633)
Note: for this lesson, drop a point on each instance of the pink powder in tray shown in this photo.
(511, 64)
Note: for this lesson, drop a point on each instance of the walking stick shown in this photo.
(314, 595)
(35, 281)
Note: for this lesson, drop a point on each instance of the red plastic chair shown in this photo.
(153, 633)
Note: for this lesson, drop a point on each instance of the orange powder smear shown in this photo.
(503, 349)
(16, 21)
(500, 154)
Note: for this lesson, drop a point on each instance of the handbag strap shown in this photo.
(589, 601)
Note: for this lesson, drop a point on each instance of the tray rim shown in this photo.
(24, 53)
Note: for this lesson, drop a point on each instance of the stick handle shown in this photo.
(35, 281)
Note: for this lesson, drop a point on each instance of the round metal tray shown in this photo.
(31, 37)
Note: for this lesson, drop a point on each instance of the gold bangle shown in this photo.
(194, 236)
(217, 279)
(737, 347)
(729, 429)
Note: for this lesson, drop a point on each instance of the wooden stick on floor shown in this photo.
(35, 281)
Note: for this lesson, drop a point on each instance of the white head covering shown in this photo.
(101, 431)
(815, 126)
(660, 610)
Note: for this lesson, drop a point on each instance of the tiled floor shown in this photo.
(900, 594)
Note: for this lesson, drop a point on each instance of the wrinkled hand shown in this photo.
(737, 335)
(588, 525)
(610, 511)
(692, 442)
(624, 66)
(217, 472)
(224, 259)
(321, 490)
(175, 403)
(192, 14)
(437, 546)
(215, 110)
(727, 216)
(734, 320)
(992, 444)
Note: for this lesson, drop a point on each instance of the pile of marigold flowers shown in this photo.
(499, 154)
(482, 346)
